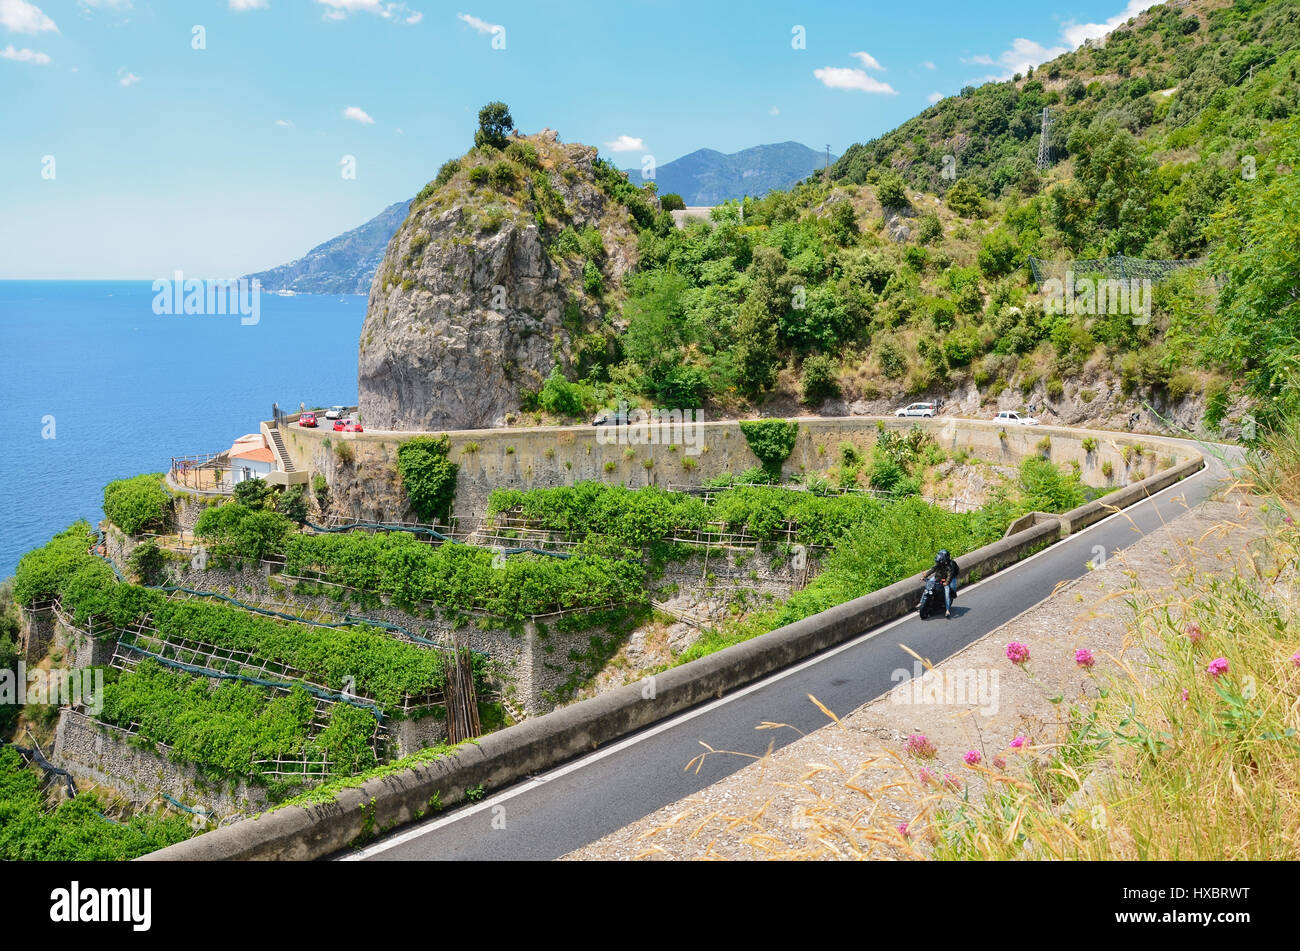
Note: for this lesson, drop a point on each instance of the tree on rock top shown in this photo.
(494, 125)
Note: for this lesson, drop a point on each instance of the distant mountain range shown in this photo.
(342, 265)
(347, 264)
(708, 177)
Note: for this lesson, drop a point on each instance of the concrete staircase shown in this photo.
(281, 453)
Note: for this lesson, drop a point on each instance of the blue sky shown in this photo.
(127, 152)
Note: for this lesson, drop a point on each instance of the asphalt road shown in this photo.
(574, 804)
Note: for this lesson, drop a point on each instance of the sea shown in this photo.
(95, 386)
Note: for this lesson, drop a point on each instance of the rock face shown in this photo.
(482, 292)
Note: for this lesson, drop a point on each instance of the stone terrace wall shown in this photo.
(96, 753)
(367, 486)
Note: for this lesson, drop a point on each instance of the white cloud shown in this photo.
(358, 114)
(774, 111)
(1075, 33)
(927, 64)
(107, 4)
(339, 10)
(284, 123)
(400, 131)
(934, 97)
(869, 61)
(19, 16)
(842, 77)
(483, 26)
(248, 4)
(626, 143)
(24, 55)
(129, 79)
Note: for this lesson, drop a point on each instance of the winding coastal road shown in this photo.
(565, 808)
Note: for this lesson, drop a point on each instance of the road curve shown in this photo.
(562, 809)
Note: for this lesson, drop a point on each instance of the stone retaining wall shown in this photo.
(97, 753)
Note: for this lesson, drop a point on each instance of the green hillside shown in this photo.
(1173, 141)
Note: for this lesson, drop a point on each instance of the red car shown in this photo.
(307, 419)
(347, 426)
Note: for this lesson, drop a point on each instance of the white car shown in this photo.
(917, 409)
(336, 412)
(1012, 418)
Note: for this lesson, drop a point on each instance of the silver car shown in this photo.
(917, 409)
(1012, 418)
(336, 412)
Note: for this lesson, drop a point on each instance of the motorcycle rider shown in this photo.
(945, 571)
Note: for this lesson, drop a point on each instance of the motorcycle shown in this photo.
(931, 599)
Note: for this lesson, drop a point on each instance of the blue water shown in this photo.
(129, 389)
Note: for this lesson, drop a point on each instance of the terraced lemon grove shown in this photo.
(334, 687)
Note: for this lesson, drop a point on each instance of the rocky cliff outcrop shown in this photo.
(508, 267)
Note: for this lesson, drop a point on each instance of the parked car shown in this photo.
(336, 412)
(1012, 418)
(308, 419)
(347, 426)
(611, 418)
(917, 409)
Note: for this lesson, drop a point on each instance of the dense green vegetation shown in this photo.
(374, 664)
(465, 577)
(138, 504)
(76, 829)
(906, 274)
(225, 727)
(428, 476)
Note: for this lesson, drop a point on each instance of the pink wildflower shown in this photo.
(951, 781)
(1194, 632)
(1017, 652)
(1018, 742)
(1083, 657)
(1185, 695)
(925, 776)
(999, 761)
(1217, 667)
(973, 757)
(902, 829)
(1295, 658)
(919, 745)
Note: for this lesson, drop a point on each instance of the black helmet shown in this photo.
(942, 557)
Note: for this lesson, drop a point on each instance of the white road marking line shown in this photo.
(464, 812)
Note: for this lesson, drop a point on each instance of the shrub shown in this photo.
(428, 477)
(964, 198)
(891, 190)
(524, 154)
(292, 504)
(560, 397)
(818, 382)
(931, 229)
(254, 493)
(503, 177)
(320, 486)
(1089, 444)
(138, 503)
(146, 562)
(671, 202)
(236, 531)
(593, 282)
(478, 175)
(772, 440)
